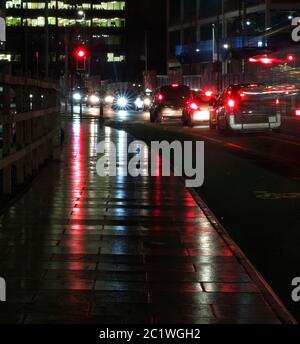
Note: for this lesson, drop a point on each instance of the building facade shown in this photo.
(40, 31)
(205, 36)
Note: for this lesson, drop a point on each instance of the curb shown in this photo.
(271, 298)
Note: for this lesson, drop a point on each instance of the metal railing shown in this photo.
(29, 128)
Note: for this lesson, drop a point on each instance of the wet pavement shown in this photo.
(79, 248)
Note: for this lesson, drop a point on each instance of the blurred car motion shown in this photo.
(93, 99)
(80, 96)
(197, 108)
(246, 107)
(169, 103)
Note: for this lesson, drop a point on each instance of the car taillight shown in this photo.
(194, 106)
(231, 103)
(277, 101)
(160, 97)
(297, 112)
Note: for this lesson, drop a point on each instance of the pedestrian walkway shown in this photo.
(77, 248)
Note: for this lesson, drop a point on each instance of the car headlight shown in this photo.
(94, 99)
(147, 101)
(77, 96)
(122, 102)
(109, 99)
(139, 103)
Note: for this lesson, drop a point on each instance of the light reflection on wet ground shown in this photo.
(81, 248)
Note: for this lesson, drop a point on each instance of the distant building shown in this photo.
(201, 32)
(100, 25)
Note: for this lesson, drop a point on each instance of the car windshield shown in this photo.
(175, 93)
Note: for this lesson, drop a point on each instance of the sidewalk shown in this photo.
(77, 248)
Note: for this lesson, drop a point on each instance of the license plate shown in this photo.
(272, 119)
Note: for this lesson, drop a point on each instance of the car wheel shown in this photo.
(152, 118)
(212, 125)
(158, 118)
(223, 131)
(190, 122)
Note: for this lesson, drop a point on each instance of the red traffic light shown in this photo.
(81, 53)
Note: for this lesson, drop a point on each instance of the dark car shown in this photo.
(169, 102)
(197, 108)
(246, 107)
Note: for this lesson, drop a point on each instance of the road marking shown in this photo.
(265, 195)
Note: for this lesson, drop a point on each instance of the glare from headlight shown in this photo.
(147, 101)
(77, 96)
(109, 99)
(94, 99)
(122, 102)
(139, 103)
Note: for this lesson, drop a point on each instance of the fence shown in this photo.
(29, 126)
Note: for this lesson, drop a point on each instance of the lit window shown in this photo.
(12, 21)
(110, 6)
(111, 57)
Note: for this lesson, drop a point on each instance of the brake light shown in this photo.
(252, 60)
(160, 97)
(231, 103)
(175, 85)
(297, 112)
(194, 106)
(266, 60)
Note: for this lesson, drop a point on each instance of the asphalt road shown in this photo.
(252, 184)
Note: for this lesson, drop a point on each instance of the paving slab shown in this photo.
(79, 248)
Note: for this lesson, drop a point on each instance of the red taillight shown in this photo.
(175, 85)
(277, 101)
(297, 112)
(231, 103)
(160, 97)
(252, 60)
(194, 106)
(266, 60)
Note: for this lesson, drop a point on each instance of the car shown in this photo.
(126, 100)
(93, 99)
(169, 102)
(79, 96)
(246, 107)
(197, 108)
